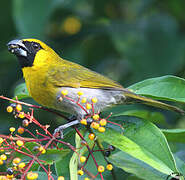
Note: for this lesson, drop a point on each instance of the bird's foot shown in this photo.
(61, 128)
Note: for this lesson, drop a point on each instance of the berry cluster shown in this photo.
(14, 148)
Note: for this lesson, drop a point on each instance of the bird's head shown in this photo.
(30, 52)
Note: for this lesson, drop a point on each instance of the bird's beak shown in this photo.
(17, 47)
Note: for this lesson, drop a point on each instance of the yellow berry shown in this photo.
(101, 169)
(91, 136)
(86, 178)
(21, 165)
(20, 130)
(109, 167)
(82, 159)
(94, 100)
(80, 172)
(21, 115)
(32, 175)
(42, 150)
(3, 157)
(88, 106)
(84, 100)
(1, 162)
(9, 109)
(16, 160)
(9, 176)
(18, 107)
(83, 121)
(103, 122)
(80, 93)
(61, 178)
(19, 143)
(96, 117)
(101, 129)
(3, 178)
(64, 92)
(95, 125)
(1, 140)
(12, 129)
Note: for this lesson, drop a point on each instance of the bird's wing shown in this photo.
(70, 74)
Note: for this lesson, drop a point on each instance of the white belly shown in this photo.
(105, 98)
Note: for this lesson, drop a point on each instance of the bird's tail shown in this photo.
(148, 101)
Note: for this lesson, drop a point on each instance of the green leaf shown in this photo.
(51, 155)
(54, 155)
(174, 135)
(180, 165)
(73, 165)
(146, 145)
(21, 92)
(135, 166)
(169, 88)
(155, 117)
(44, 176)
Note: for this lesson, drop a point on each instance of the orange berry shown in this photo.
(103, 122)
(3, 157)
(32, 175)
(95, 125)
(84, 100)
(18, 107)
(109, 167)
(21, 165)
(101, 169)
(9, 176)
(1, 150)
(88, 106)
(9, 109)
(1, 162)
(101, 129)
(91, 136)
(12, 129)
(94, 100)
(16, 160)
(96, 117)
(21, 115)
(25, 122)
(61, 178)
(82, 159)
(20, 130)
(80, 172)
(64, 92)
(80, 93)
(83, 121)
(19, 143)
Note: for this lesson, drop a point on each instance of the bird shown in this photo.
(46, 75)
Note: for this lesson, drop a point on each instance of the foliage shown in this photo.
(144, 41)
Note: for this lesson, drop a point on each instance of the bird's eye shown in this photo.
(35, 45)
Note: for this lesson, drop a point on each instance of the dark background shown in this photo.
(127, 40)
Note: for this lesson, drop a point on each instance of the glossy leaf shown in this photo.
(155, 117)
(169, 88)
(143, 142)
(21, 92)
(174, 135)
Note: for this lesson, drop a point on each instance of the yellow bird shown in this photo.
(47, 74)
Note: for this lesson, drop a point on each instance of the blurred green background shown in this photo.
(127, 40)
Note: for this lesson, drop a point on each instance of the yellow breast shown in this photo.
(39, 87)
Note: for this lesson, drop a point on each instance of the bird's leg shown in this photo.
(73, 121)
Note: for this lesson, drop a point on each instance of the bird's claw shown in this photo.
(60, 131)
